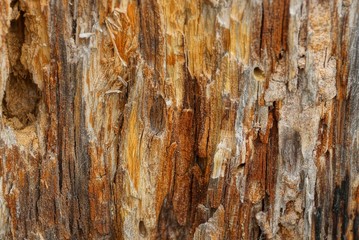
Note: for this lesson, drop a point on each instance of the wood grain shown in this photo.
(206, 119)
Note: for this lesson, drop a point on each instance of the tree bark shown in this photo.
(205, 119)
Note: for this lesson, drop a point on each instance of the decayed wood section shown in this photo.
(179, 119)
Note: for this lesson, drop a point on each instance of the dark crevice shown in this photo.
(356, 226)
(73, 13)
(167, 226)
(340, 208)
(142, 229)
(22, 96)
(38, 193)
(261, 33)
(13, 2)
(285, 23)
(201, 162)
(158, 114)
(318, 222)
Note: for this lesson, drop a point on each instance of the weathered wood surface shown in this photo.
(171, 119)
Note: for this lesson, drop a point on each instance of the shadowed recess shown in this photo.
(21, 94)
(157, 114)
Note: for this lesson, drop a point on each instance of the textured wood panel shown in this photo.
(167, 119)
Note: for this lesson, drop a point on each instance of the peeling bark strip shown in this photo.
(206, 119)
